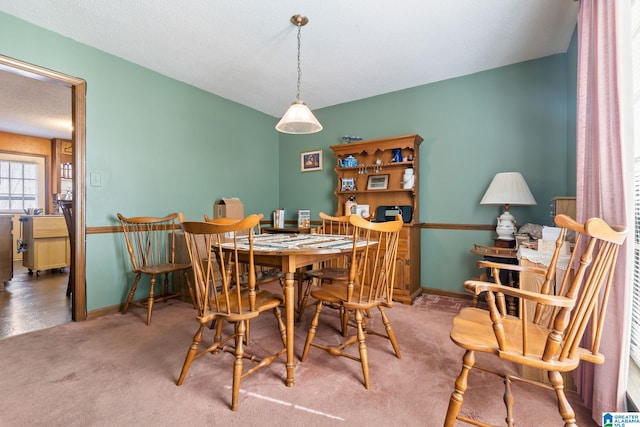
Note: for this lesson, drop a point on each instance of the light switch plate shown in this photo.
(95, 179)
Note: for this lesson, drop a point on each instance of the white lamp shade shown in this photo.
(508, 188)
(299, 120)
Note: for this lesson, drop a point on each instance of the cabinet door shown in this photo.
(407, 282)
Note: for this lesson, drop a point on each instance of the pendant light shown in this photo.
(298, 119)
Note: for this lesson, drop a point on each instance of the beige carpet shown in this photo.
(115, 370)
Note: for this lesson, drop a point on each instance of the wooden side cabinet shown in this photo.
(6, 249)
(407, 283)
(378, 179)
(47, 241)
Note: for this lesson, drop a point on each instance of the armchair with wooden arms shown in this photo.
(370, 285)
(555, 345)
(151, 246)
(221, 301)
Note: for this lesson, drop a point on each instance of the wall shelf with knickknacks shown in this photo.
(386, 174)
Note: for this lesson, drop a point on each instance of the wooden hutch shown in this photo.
(378, 180)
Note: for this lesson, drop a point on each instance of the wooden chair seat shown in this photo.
(328, 274)
(473, 329)
(553, 337)
(264, 301)
(163, 268)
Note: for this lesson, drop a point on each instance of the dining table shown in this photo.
(290, 252)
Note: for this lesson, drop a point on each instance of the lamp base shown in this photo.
(506, 228)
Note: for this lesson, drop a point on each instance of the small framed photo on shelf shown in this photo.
(378, 182)
(311, 161)
(348, 184)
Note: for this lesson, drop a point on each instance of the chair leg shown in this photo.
(312, 331)
(455, 402)
(219, 323)
(237, 365)
(564, 407)
(281, 326)
(150, 300)
(191, 354)
(303, 297)
(344, 320)
(508, 401)
(131, 293)
(362, 347)
(189, 288)
(165, 285)
(390, 333)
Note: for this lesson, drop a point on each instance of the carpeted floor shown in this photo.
(115, 370)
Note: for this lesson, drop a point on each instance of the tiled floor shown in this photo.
(32, 302)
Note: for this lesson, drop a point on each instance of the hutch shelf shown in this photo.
(377, 180)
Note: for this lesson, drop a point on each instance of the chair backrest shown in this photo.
(594, 260)
(258, 228)
(373, 270)
(336, 225)
(215, 286)
(67, 211)
(151, 241)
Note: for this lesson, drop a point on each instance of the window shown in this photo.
(19, 184)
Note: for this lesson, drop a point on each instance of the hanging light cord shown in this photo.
(299, 68)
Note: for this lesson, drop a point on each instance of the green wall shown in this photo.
(164, 146)
(160, 145)
(514, 118)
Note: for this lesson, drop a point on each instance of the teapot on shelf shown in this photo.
(348, 162)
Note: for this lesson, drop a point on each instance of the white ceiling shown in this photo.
(245, 50)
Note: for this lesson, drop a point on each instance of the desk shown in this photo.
(289, 253)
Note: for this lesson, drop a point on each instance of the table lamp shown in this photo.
(507, 188)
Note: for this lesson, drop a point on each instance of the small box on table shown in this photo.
(228, 208)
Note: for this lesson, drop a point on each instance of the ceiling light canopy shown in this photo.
(298, 119)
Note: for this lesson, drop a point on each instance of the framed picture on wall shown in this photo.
(378, 182)
(311, 161)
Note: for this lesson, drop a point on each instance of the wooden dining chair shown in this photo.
(151, 243)
(370, 285)
(66, 206)
(555, 345)
(216, 272)
(335, 269)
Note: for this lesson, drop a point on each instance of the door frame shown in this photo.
(78, 88)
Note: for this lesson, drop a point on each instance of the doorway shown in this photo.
(78, 119)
